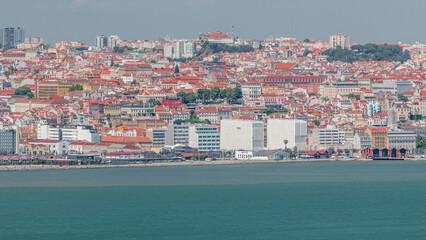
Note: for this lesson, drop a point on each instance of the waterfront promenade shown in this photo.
(153, 164)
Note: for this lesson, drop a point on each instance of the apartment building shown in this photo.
(339, 39)
(379, 137)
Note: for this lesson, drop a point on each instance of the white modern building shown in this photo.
(101, 42)
(238, 134)
(243, 155)
(204, 137)
(113, 40)
(294, 131)
(74, 133)
(168, 50)
(183, 49)
(177, 134)
(330, 136)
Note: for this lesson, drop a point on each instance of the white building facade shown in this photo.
(204, 137)
(241, 135)
(251, 90)
(78, 133)
(339, 39)
(294, 131)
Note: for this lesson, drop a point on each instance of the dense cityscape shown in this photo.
(210, 98)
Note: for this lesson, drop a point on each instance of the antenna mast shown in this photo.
(232, 30)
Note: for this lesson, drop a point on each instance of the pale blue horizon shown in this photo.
(375, 21)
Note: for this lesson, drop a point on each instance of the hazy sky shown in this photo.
(375, 21)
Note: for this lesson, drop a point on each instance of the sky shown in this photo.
(365, 21)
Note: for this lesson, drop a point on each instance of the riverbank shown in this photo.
(156, 164)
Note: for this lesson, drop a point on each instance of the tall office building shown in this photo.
(294, 131)
(204, 137)
(9, 141)
(101, 42)
(10, 37)
(339, 39)
(177, 134)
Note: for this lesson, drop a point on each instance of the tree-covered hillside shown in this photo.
(368, 52)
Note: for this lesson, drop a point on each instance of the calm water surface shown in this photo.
(335, 200)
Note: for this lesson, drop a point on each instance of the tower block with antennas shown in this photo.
(232, 33)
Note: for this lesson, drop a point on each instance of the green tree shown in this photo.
(306, 40)
(187, 97)
(402, 98)
(368, 52)
(225, 93)
(7, 74)
(181, 95)
(237, 93)
(203, 94)
(44, 46)
(207, 48)
(76, 87)
(190, 98)
(306, 53)
(112, 63)
(357, 97)
(420, 141)
(316, 122)
(124, 49)
(30, 95)
(81, 48)
(177, 69)
(154, 102)
(191, 120)
(416, 117)
(192, 114)
(215, 93)
(22, 90)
